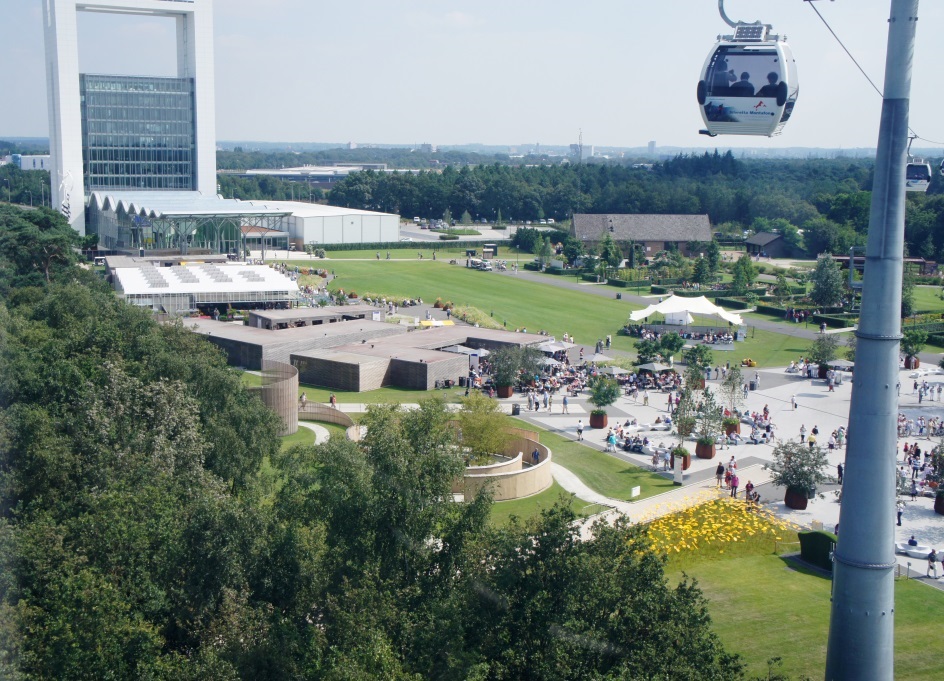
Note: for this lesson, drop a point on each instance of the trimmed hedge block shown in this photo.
(815, 546)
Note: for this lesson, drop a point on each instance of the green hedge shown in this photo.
(410, 245)
(714, 294)
(448, 237)
(732, 303)
(835, 321)
(815, 546)
(771, 309)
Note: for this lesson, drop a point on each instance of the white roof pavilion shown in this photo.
(675, 306)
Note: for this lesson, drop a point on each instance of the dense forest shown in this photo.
(819, 205)
(151, 526)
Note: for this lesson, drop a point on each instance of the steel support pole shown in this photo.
(862, 625)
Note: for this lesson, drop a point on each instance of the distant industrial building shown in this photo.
(323, 177)
(653, 233)
(28, 161)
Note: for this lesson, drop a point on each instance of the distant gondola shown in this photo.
(748, 83)
(917, 175)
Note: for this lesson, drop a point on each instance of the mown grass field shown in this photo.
(519, 303)
(529, 507)
(762, 607)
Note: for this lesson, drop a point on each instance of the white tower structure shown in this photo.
(146, 162)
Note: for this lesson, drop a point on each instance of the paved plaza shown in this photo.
(777, 390)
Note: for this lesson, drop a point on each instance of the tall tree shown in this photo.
(828, 284)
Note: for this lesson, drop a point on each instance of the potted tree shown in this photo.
(708, 419)
(800, 469)
(823, 351)
(603, 393)
(912, 343)
(697, 357)
(732, 392)
(505, 368)
(935, 479)
(684, 426)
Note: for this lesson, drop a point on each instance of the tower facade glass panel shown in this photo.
(138, 132)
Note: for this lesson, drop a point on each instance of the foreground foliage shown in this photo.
(137, 541)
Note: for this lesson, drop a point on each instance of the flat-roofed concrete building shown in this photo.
(249, 347)
(348, 352)
(275, 320)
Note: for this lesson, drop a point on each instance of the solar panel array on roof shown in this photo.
(153, 278)
(215, 273)
(184, 274)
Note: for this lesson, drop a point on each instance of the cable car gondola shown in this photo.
(917, 175)
(942, 167)
(748, 83)
(917, 172)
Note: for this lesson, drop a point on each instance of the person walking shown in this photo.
(803, 433)
(734, 485)
(564, 404)
(839, 472)
(899, 509)
(793, 402)
(719, 475)
(932, 563)
(579, 429)
(645, 398)
(550, 403)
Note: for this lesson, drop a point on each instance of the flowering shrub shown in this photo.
(717, 525)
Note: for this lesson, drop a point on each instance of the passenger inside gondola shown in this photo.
(723, 78)
(770, 89)
(743, 88)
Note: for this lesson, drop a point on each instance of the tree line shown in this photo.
(152, 527)
(819, 205)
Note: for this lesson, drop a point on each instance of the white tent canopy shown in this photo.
(677, 307)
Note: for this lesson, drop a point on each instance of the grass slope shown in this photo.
(762, 607)
(529, 507)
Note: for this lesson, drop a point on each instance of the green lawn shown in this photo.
(601, 472)
(389, 395)
(762, 607)
(529, 507)
(519, 303)
(928, 298)
(447, 254)
(304, 436)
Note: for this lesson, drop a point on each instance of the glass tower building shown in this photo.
(138, 133)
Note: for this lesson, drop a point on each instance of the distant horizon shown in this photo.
(527, 147)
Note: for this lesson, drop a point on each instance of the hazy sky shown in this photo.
(491, 71)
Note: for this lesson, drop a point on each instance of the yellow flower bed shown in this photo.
(713, 526)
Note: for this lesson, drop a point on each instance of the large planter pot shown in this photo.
(705, 451)
(686, 461)
(822, 371)
(939, 504)
(736, 428)
(506, 390)
(796, 500)
(598, 420)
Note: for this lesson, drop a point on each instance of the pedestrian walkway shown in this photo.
(322, 434)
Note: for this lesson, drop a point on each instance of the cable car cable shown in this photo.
(845, 49)
(862, 71)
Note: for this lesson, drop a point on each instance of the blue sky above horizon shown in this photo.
(508, 72)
